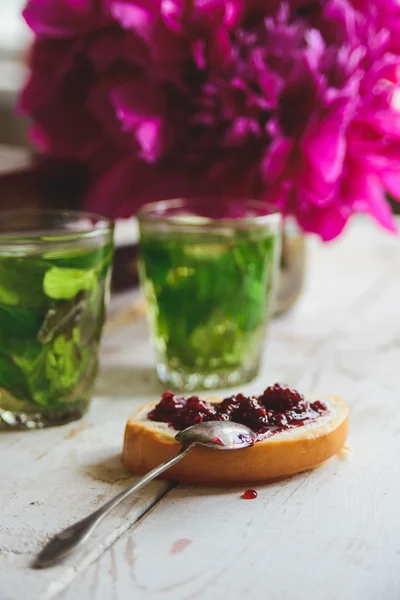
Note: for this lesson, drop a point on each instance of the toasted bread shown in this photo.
(149, 443)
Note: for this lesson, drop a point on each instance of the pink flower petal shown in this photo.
(324, 143)
(377, 205)
(391, 183)
(341, 16)
(329, 222)
(149, 134)
(275, 162)
(118, 183)
(141, 117)
(136, 17)
(65, 18)
(172, 12)
(312, 189)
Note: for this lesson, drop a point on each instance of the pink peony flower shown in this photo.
(291, 102)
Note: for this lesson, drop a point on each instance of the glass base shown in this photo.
(13, 420)
(187, 381)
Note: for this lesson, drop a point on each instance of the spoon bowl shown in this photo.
(217, 435)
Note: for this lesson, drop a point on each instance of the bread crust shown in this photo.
(146, 445)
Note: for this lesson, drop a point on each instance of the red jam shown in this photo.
(249, 495)
(276, 409)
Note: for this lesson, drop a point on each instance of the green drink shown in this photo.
(208, 286)
(54, 281)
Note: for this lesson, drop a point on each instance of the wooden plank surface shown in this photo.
(329, 534)
(53, 477)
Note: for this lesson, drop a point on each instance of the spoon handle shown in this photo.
(65, 542)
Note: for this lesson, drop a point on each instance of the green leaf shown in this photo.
(250, 312)
(18, 322)
(208, 298)
(21, 281)
(8, 296)
(51, 372)
(12, 378)
(64, 366)
(33, 361)
(65, 284)
(62, 319)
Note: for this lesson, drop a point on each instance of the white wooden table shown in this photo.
(330, 534)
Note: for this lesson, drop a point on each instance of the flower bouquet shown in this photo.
(294, 103)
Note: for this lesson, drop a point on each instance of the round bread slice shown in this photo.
(149, 443)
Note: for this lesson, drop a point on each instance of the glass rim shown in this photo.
(35, 235)
(149, 214)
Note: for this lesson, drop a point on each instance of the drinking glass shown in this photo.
(55, 271)
(208, 284)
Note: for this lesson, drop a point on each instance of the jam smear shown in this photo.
(249, 495)
(278, 408)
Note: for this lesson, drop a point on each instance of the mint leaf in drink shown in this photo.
(64, 364)
(65, 284)
(8, 296)
(51, 371)
(18, 323)
(21, 282)
(12, 378)
(63, 318)
(208, 298)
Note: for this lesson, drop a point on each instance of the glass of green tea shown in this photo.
(55, 271)
(208, 284)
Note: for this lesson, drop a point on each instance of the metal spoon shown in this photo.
(218, 435)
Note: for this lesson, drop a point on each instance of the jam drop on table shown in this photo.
(249, 495)
(278, 408)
